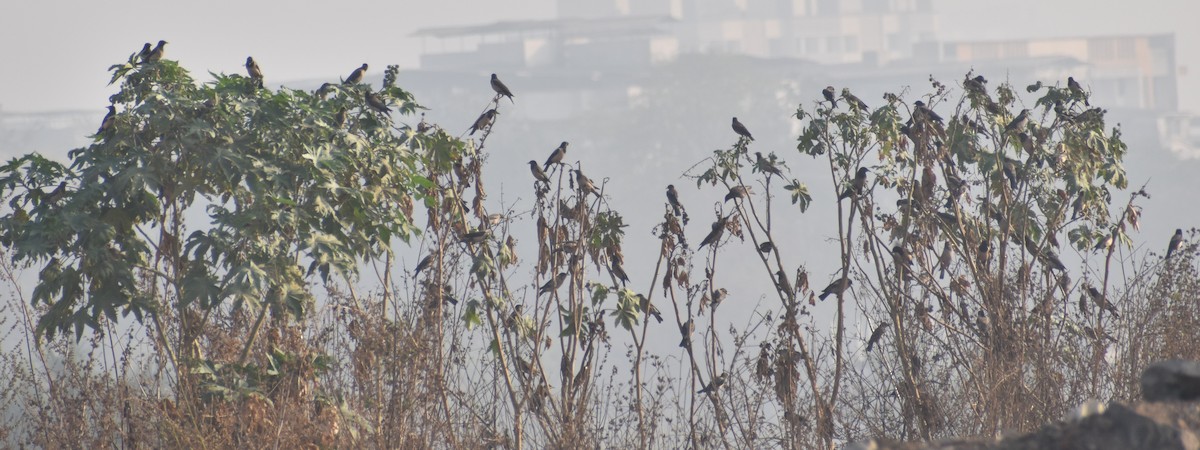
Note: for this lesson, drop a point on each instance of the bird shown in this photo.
(537, 172)
(556, 156)
(920, 110)
(713, 385)
(339, 119)
(356, 76)
(828, 92)
(719, 295)
(649, 308)
(1076, 89)
(473, 237)
(673, 199)
(714, 236)
(741, 129)
(553, 284)
(766, 247)
(1176, 241)
(108, 120)
(156, 54)
(944, 260)
(781, 282)
(585, 184)
(835, 288)
(144, 55)
(55, 195)
(255, 72)
(901, 256)
(1103, 244)
(376, 102)
(501, 89)
(764, 165)
(1018, 123)
(1100, 301)
(686, 330)
(423, 263)
(618, 271)
(875, 335)
(856, 185)
(484, 120)
(324, 89)
(737, 192)
(854, 101)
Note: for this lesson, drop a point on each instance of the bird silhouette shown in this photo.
(376, 102)
(556, 156)
(156, 54)
(538, 173)
(828, 93)
(501, 89)
(254, 72)
(741, 129)
(876, 335)
(109, 120)
(356, 76)
(1176, 241)
(484, 120)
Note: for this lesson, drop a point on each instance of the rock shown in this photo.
(1172, 380)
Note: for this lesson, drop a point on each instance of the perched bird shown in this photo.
(156, 55)
(473, 237)
(737, 192)
(741, 129)
(553, 284)
(975, 85)
(856, 185)
(854, 101)
(55, 195)
(376, 102)
(719, 295)
(356, 76)
(828, 92)
(585, 184)
(144, 55)
(618, 272)
(538, 173)
(673, 199)
(766, 247)
(423, 263)
(255, 72)
(901, 256)
(108, 120)
(920, 110)
(1103, 244)
(1074, 86)
(713, 385)
(718, 228)
(875, 335)
(649, 308)
(764, 165)
(1018, 123)
(781, 282)
(423, 126)
(983, 253)
(944, 260)
(1103, 303)
(686, 330)
(501, 89)
(339, 119)
(1176, 241)
(556, 156)
(835, 288)
(484, 120)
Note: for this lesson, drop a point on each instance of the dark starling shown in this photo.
(673, 199)
(686, 330)
(474, 237)
(711, 388)
(255, 72)
(983, 253)
(649, 308)
(156, 55)
(618, 271)
(741, 129)
(737, 192)
(484, 120)
(835, 288)
(356, 76)
(875, 335)
(920, 110)
(55, 195)
(1018, 123)
(553, 284)
(764, 165)
(585, 184)
(1052, 260)
(856, 185)
(144, 55)
(973, 85)
(108, 120)
(1074, 86)
(501, 89)
(324, 89)
(901, 257)
(854, 101)
(781, 282)
(376, 102)
(1102, 302)
(421, 265)
(714, 236)
(1176, 241)
(828, 92)
(423, 126)
(538, 173)
(556, 156)
(766, 247)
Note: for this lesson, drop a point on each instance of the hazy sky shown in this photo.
(56, 53)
